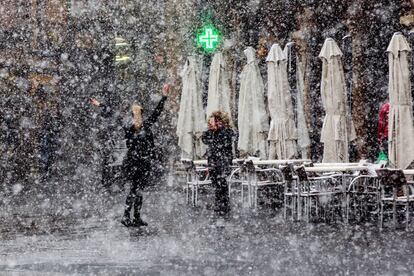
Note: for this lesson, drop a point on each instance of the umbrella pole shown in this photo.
(347, 50)
(410, 37)
(194, 156)
(292, 67)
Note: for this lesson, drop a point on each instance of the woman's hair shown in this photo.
(221, 116)
(137, 116)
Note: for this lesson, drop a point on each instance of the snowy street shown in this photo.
(181, 240)
(206, 137)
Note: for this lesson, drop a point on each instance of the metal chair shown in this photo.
(256, 178)
(235, 178)
(364, 193)
(196, 178)
(395, 191)
(248, 175)
(314, 190)
(290, 192)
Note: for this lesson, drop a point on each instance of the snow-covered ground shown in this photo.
(181, 240)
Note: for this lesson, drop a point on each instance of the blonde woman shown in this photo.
(139, 158)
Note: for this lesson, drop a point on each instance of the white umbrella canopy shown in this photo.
(401, 128)
(218, 86)
(282, 133)
(338, 128)
(191, 117)
(253, 122)
(303, 133)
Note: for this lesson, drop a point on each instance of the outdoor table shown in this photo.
(339, 164)
(339, 169)
(409, 172)
(260, 162)
(279, 162)
(238, 162)
(342, 169)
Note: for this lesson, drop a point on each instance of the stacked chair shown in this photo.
(196, 177)
(255, 178)
(395, 192)
(290, 191)
(362, 196)
(316, 192)
(355, 192)
(380, 193)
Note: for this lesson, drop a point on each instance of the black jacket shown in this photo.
(141, 148)
(141, 152)
(220, 149)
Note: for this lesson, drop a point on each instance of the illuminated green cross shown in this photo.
(208, 38)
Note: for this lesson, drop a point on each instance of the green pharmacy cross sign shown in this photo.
(208, 38)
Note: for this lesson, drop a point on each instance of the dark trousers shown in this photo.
(106, 172)
(134, 198)
(222, 203)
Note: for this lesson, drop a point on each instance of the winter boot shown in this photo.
(137, 221)
(126, 221)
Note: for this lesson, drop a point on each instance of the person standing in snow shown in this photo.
(219, 140)
(49, 140)
(49, 132)
(140, 155)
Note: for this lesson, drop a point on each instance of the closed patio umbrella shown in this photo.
(303, 133)
(401, 129)
(253, 122)
(218, 86)
(282, 133)
(338, 128)
(191, 117)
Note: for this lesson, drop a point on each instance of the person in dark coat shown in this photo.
(111, 132)
(139, 159)
(219, 140)
(49, 140)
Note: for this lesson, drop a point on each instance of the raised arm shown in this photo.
(157, 112)
(160, 107)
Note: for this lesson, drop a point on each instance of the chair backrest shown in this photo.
(383, 172)
(397, 178)
(248, 167)
(188, 164)
(301, 173)
(391, 177)
(239, 162)
(287, 172)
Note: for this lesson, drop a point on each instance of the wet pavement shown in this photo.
(181, 240)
